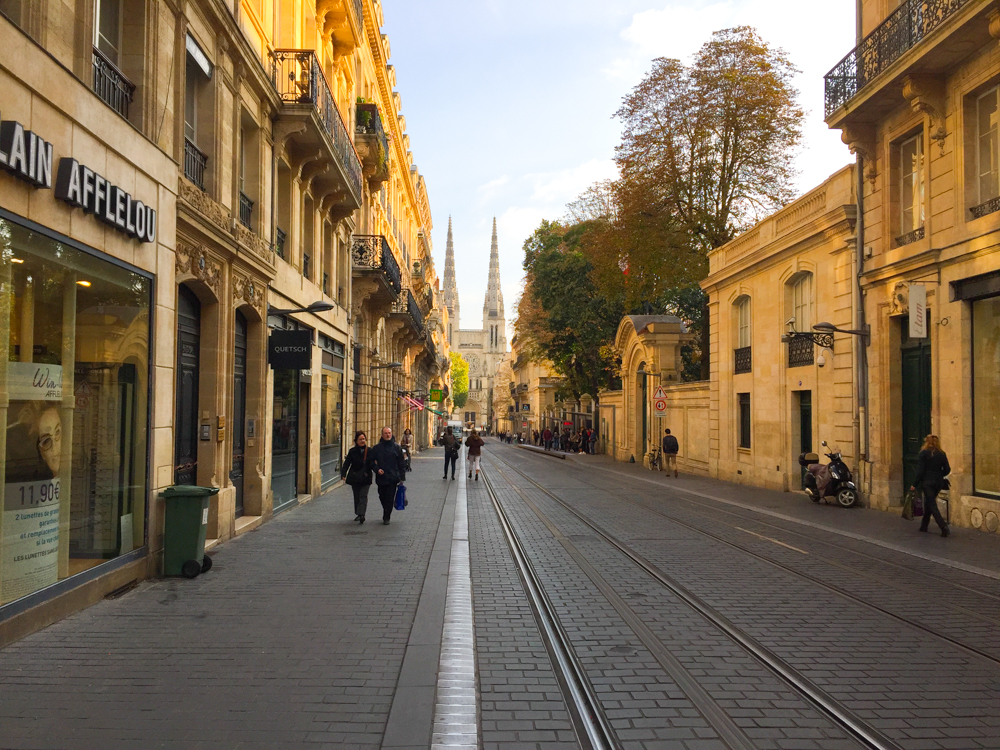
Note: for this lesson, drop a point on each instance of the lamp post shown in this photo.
(315, 307)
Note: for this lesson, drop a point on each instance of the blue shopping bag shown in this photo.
(401, 497)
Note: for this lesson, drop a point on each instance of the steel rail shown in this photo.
(868, 736)
(972, 650)
(592, 725)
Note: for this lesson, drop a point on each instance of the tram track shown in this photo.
(865, 735)
(837, 590)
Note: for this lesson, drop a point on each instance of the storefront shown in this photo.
(331, 430)
(290, 356)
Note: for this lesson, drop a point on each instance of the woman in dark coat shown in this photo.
(357, 469)
(934, 467)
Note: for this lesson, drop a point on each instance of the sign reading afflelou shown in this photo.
(290, 350)
(28, 157)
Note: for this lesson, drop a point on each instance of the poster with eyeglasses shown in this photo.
(29, 553)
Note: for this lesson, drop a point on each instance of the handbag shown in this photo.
(401, 497)
(908, 505)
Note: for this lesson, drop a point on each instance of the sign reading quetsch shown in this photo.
(290, 350)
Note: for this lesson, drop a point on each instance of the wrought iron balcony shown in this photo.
(298, 78)
(371, 252)
(910, 237)
(373, 146)
(279, 243)
(986, 208)
(800, 351)
(246, 210)
(743, 360)
(111, 85)
(407, 305)
(194, 164)
(904, 28)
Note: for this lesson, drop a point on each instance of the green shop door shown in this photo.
(916, 397)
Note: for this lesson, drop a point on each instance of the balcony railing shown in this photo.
(372, 251)
(298, 79)
(984, 209)
(246, 210)
(368, 122)
(910, 237)
(408, 305)
(111, 85)
(743, 360)
(901, 31)
(800, 351)
(279, 243)
(194, 164)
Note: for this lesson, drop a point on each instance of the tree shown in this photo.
(562, 318)
(501, 390)
(459, 380)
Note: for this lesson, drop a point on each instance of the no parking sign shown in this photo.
(660, 402)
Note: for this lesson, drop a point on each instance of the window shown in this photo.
(74, 468)
(986, 395)
(108, 29)
(911, 192)
(306, 265)
(331, 409)
(987, 145)
(192, 80)
(802, 302)
(744, 406)
(743, 322)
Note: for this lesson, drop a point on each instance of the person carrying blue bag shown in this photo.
(390, 470)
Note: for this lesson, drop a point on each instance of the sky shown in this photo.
(509, 104)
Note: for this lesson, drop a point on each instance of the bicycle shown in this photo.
(655, 460)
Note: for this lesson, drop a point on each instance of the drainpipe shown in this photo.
(861, 360)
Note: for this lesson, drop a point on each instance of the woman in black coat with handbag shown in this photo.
(357, 469)
(934, 467)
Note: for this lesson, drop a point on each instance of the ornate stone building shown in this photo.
(482, 348)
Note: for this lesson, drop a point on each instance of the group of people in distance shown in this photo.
(568, 441)
(453, 445)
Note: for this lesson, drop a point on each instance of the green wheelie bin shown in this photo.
(184, 530)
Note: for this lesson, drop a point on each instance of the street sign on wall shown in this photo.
(659, 402)
(436, 395)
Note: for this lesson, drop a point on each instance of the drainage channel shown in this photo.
(591, 724)
(456, 718)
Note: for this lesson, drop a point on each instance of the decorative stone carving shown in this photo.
(927, 95)
(197, 262)
(860, 139)
(251, 291)
(899, 304)
(198, 200)
(256, 245)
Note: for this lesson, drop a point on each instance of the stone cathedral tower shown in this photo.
(494, 322)
(450, 290)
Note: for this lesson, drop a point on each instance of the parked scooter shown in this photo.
(829, 480)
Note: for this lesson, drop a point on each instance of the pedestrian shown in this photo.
(387, 457)
(585, 440)
(534, 437)
(670, 449)
(357, 470)
(475, 445)
(547, 438)
(593, 441)
(934, 467)
(407, 444)
(450, 452)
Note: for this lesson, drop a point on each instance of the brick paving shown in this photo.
(295, 638)
(921, 691)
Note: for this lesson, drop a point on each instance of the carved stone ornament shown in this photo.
(256, 245)
(860, 139)
(198, 200)
(198, 263)
(927, 95)
(899, 304)
(250, 291)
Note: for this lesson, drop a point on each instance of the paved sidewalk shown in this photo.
(967, 549)
(295, 639)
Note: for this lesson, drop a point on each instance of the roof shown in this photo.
(642, 322)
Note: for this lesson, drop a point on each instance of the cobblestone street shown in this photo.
(751, 620)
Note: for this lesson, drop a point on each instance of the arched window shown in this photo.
(743, 336)
(743, 322)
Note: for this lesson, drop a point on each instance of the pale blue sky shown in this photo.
(509, 103)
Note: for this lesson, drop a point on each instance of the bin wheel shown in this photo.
(191, 568)
(206, 564)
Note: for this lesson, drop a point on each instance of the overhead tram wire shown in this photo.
(868, 736)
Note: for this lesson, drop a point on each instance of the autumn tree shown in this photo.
(459, 380)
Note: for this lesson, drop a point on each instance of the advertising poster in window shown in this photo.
(29, 553)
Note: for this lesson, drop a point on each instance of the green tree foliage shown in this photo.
(459, 380)
(562, 317)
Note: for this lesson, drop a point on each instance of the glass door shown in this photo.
(285, 439)
(239, 408)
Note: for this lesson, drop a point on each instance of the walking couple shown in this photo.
(453, 445)
(383, 462)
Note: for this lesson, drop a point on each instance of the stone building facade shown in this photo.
(190, 180)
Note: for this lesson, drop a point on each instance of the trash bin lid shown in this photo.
(189, 490)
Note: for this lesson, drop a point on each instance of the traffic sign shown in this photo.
(659, 394)
(660, 407)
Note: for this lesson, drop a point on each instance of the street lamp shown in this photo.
(830, 329)
(390, 366)
(315, 307)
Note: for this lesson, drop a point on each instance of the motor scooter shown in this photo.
(829, 480)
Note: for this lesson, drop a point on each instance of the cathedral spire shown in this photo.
(450, 288)
(493, 311)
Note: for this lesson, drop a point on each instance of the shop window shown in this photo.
(911, 190)
(986, 395)
(74, 338)
(331, 410)
(744, 419)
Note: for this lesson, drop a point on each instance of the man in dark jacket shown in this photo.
(390, 469)
(451, 449)
(670, 450)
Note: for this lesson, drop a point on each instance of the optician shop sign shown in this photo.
(29, 157)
